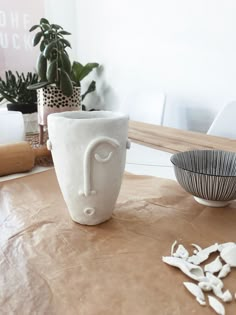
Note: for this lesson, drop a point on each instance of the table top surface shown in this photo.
(176, 140)
(52, 265)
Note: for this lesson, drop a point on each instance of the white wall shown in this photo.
(185, 48)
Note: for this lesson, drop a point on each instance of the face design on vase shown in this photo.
(88, 156)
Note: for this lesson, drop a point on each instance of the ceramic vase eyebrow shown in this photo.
(89, 153)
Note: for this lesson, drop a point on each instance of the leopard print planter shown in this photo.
(51, 100)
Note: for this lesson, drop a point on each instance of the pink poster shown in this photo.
(16, 18)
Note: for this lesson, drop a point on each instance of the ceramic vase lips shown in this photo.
(89, 152)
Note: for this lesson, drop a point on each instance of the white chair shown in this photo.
(148, 106)
(224, 122)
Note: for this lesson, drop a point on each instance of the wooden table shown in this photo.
(176, 140)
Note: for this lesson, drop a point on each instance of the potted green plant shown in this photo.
(79, 72)
(59, 88)
(14, 89)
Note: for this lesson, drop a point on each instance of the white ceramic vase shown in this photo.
(89, 152)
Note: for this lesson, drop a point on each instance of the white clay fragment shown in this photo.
(227, 296)
(202, 254)
(198, 258)
(216, 305)
(201, 302)
(192, 271)
(224, 271)
(210, 249)
(218, 292)
(228, 254)
(207, 281)
(214, 266)
(215, 281)
(181, 252)
(197, 248)
(196, 291)
(224, 245)
(205, 286)
(173, 248)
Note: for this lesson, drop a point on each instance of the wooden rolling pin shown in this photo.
(19, 157)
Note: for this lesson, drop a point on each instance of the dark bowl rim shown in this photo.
(201, 173)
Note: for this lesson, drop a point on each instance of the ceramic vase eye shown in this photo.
(89, 152)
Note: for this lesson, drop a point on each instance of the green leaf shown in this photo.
(65, 62)
(45, 26)
(65, 42)
(43, 20)
(7, 97)
(42, 45)
(91, 88)
(64, 33)
(77, 69)
(66, 84)
(42, 67)
(52, 71)
(48, 49)
(56, 26)
(38, 85)
(80, 71)
(33, 28)
(60, 46)
(37, 38)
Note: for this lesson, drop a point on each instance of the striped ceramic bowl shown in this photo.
(209, 175)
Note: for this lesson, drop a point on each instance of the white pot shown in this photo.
(89, 151)
(31, 123)
(12, 128)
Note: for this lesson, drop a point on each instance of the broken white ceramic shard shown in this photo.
(197, 248)
(198, 258)
(202, 254)
(196, 291)
(223, 245)
(228, 254)
(205, 286)
(173, 247)
(181, 252)
(218, 291)
(227, 296)
(210, 249)
(216, 305)
(224, 271)
(192, 271)
(214, 266)
(201, 302)
(215, 281)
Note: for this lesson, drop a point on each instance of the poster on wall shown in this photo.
(16, 18)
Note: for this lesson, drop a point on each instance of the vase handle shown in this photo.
(128, 144)
(49, 145)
